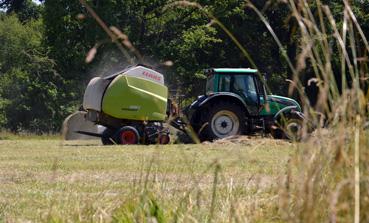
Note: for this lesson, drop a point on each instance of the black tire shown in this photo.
(128, 135)
(107, 137)
(277, 133)
(293, 129)
(222, 120)
(164, 139)
(289, 128)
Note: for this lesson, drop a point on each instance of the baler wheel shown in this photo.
(107, 137)
(128, 135)
(164, 139)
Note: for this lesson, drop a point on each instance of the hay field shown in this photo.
(82, 181)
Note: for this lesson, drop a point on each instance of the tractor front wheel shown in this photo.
(290, 128)
(293, 129)
(223, 120)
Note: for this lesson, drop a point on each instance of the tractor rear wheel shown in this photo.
(128, 135)
(223, 120)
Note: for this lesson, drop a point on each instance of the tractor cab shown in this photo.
(243, 82)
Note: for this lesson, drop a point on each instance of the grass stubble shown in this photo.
(43, 180)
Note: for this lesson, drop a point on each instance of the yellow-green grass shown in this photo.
(5, 135)
(52, 180)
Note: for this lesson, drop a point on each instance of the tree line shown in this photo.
(43, 69)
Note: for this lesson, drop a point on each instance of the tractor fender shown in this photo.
(289, 110)
(194, 110)
(223, 96)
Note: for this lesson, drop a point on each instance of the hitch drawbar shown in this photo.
(178, 123)
(89, 134)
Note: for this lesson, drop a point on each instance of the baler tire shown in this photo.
(164, 139)
(128, 135)
(107, 137)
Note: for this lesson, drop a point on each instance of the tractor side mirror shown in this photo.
(263, 89)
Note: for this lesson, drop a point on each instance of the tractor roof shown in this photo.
(231, 70)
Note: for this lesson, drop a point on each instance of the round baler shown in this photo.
(131, 104)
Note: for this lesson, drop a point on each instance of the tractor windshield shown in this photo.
(261, 90)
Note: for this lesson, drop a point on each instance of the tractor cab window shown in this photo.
(244, 85)
(210, 84)
(224, 83)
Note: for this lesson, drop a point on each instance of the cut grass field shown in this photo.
(53, 180)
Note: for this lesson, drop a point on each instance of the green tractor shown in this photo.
(236, 103)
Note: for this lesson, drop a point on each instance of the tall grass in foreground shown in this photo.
(327, 178)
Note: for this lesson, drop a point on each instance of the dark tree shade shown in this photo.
(25, 9)
(12, 5)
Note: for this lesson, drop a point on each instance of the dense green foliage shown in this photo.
(42, 59)
(161, 31)
(29, 84)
